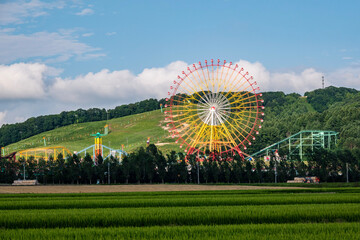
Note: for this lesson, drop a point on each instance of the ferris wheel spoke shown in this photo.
(242, 100)
(226, 76)
(240, 127)
(229, 136)
(231, 86)
(193, 90)
(193, 123)
(201, 87)
(202, 79)
(198, 135)
(244, 109)
(181, 99)
(238, 95)
(248, 117)
(236, 136)
(226, 81)
(243, 89)
(185, 119)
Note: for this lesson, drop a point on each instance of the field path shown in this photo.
(127, 188)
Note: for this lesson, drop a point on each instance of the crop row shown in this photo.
(319, 231)
(106, 217)
(179, 201)
(183, 193)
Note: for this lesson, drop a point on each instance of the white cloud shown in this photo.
(122, 86)
(24, 81)
(15, 12)
(87, 34)
(84, 12)
(94, 87)
(2, 117)
(7, 30)
(41, 44)
(345, 77)
(91, 56)
(288, 82)
(110, 33)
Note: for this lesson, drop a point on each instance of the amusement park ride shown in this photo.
(98, 148)
(214, 107)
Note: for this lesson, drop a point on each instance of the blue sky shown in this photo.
(65, 55)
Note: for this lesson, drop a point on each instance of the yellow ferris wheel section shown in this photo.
(44, 152)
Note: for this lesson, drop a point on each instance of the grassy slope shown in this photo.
(131, 131)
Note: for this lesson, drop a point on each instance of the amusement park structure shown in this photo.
(44, 152)
(295, 147)
(98, 148)
(214, 107)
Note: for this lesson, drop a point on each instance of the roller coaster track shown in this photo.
(296, 145)
(44, 152)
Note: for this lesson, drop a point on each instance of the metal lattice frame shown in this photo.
(92, 149)
(297, 144)
(214, 107)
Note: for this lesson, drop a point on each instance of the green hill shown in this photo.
(130, 131)
(285, 114)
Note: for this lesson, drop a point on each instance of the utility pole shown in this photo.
(275, 171)
(323, 82)
(109, 172)
(24, 169)
(198, 172)
(347, 172)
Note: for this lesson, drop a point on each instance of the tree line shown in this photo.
(149, 165)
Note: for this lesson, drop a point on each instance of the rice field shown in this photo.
(245, 214)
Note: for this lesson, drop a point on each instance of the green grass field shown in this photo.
(326, 213)
(130, 131)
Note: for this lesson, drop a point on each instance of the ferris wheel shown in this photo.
(214, 107)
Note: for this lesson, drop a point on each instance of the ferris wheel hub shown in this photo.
(213, 109)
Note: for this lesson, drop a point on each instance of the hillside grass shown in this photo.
(131, 131)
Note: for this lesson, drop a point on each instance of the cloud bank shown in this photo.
(15, 12)
(24, 81)
(33, 88)
(56, 47)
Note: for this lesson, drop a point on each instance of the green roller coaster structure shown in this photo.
(296, 146)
